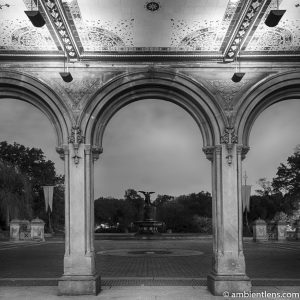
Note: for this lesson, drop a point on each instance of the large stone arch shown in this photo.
(276, 88)
(161, 85)
(24, 87)
(228, 269)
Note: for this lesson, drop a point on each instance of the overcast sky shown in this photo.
(156, 145)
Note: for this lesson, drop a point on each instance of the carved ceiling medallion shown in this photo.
(152, 6)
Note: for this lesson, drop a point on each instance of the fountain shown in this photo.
(148, 226)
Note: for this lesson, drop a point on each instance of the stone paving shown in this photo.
(145, 293)
(121, 262)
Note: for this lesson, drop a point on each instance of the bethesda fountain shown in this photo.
(148, 226)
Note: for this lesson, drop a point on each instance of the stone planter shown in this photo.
(281, 230)
(260, 230)
(37, 229)
(14, 230)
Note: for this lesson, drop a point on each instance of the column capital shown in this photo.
(63, 150)
(95, 151)
(242, 150)
(211, 150)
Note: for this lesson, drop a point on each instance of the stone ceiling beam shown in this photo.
(63, 28)
(243, 24)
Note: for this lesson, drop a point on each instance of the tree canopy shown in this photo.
(15, 193)
(33, 170)
(287, 180)
(186, 213)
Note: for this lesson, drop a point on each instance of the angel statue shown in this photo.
(147, 197)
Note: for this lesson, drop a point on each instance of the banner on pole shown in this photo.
(246, 192)
(48, 195)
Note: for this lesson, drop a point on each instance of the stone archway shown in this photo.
(26, 88)
(274, 89)
(228, 273)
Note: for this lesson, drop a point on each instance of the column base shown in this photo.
(72, 285)
(218, 284)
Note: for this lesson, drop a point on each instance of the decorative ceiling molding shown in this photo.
(63, 25)
(242, 25)
(201, 31)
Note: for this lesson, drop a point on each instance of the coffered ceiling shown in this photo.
(94, 29)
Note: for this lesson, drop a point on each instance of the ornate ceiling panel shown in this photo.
(87, 28)
(17, 32)
(285, 36)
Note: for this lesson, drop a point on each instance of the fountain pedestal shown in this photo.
(149, 226)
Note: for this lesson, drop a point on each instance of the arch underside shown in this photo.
(275, 89)
(134, 87)
(18, 86)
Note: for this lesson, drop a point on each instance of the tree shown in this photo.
(136, 201)
(15, 193)
(162, 199)
(32, 163)
(265, 187)
(187, 213)
(287, 181)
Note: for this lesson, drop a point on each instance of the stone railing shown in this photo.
(274, 231)
(26, 230)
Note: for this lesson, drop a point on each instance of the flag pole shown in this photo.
(246, 211)
(49, 220)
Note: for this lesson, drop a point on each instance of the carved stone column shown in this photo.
(228, 268)
(79, 276)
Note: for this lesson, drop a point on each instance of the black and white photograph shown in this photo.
(149, 150)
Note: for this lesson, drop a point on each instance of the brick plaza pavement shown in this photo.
(151, 262)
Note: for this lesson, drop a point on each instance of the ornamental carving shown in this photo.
(237, 40)
(2, 6)
(101, 35)
(229, 90)
(80, 88)
(96, 151)
(62, 151)
(283, 37)
(152, 6)
(211, 150)
(229, 138)
(205, 35)
(76, 138)
(21, 35)
(242, 150)
(55, 13)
